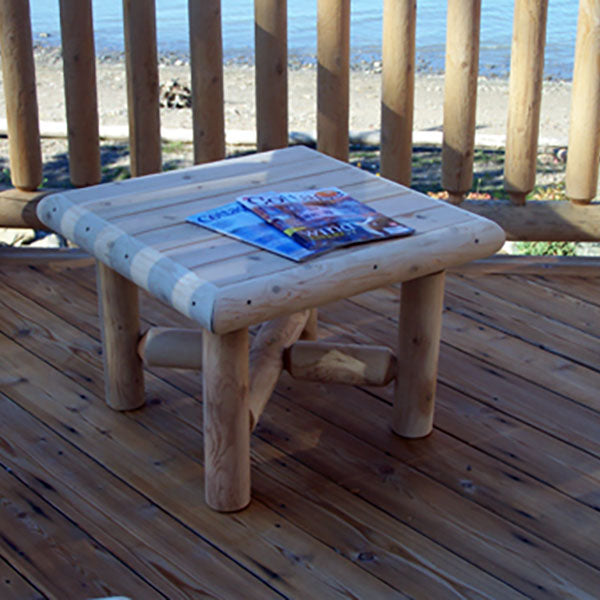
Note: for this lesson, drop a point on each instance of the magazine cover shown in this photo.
(237, 222)
(323, 219)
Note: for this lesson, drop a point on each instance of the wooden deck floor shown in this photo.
(502, 501)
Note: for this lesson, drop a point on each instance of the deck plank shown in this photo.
(503, 349)
(507, 416)
(487, 480)
(578, 287)
(513, 554)
(478, 376)
(291, 560)
(13, 586)
(59, 557)
(546, 333)
(534, 294)
(426, 577)
(499, 501)
(137, 531)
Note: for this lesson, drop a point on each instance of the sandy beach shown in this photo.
(365, 97)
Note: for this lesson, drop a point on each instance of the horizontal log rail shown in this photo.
(39, 256)
(17, 208)
(503, 264)
(352, 364)
(541, 220)
(171, 347)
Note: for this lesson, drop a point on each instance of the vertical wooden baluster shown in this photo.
(333, 91)
(419, 332)
(206, 54)
(584, 132)
(80, 91)
(139, 21)
(460, 96)
(270, 31)
(525, 96)
(226, 420)
(20, 94)
(398, 88)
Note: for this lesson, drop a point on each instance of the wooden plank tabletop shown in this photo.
(138, 228)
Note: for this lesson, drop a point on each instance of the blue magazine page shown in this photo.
(242, 224)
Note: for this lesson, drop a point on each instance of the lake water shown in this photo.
(238, 31)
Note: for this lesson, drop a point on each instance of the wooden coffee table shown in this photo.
(136, 230)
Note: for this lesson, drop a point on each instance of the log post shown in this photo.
(119, 318)
(584, 131)
(398, 89)
(80, 91)
(206, 55)
(525, 97)
(270, 27)
(333, 76)
(141, 62)
(419, 332)
(20, 95)
(460, 96)
(226, 420)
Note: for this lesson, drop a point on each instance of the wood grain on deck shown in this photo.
(501, 501)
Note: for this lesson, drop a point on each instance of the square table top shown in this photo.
(137, 227)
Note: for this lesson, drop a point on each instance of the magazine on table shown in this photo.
(323, 219)
(238, 222)
(300, 225)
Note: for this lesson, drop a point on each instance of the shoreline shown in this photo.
(365, 98)
(366, 60)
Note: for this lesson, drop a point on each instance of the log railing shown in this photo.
(576, 220)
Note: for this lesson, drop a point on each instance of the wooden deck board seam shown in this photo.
(22, 576)
(515, 373)
(166, 441)
(469, 315)
(81, 451)
(579, 329)
(483, 294)
(554, 285)
(58, 509)
(192, 530)
(379, 508)
(452, 490)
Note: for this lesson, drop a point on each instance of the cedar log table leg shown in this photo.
(419, 333)
(120, 326)
(226, 420)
